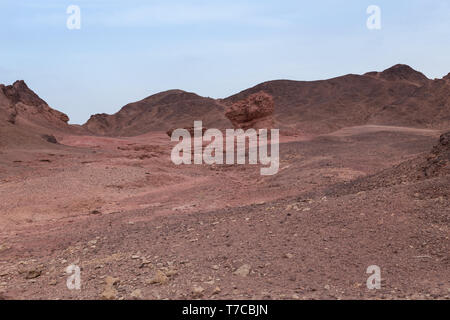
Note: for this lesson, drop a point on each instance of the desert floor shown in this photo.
(140, 227)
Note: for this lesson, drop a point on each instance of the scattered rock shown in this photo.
(145, 263)
(256, 111)
(171, 272)
(110, 293)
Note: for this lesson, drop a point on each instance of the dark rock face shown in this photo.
(12, 114)
(255, 111)
(49, 138)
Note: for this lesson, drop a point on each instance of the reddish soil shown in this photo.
(118, 207)
(360, 184)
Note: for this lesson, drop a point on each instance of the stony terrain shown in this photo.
(349, 194)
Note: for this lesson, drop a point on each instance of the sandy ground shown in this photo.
(140, 227)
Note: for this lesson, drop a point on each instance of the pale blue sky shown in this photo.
(127, 50)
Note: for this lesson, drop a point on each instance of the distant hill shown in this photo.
(397, 96)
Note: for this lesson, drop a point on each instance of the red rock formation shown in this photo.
(27, 120)
(19, 100)
(401, 72)
(160, 112)
(255, 111)
(398, 96)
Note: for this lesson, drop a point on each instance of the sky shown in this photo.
(125, 51)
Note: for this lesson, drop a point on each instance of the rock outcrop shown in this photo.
(190, 129)
(438, 162)
(397, 96)
(160, 112)
(20, 101)
(256, 111)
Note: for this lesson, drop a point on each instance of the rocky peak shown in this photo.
(19, 92)
(403, 72)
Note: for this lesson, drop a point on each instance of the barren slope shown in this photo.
(28, 121)
(397, 96)
(159, 112)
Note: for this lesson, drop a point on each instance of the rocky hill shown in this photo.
(26, 119)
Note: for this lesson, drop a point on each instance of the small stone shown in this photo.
(243, 270)
(215, 267)
(136, 294)
(33, 274)
(289, 255)
(171, 272)
(145, 263)
(197, 291)
(109, 294)
(110, 281)
(159, 278)
(217, 290)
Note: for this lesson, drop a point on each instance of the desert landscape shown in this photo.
(364, 179)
